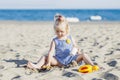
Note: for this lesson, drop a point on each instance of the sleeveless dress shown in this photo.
(62, 51)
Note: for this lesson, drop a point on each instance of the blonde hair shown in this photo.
(60, 22)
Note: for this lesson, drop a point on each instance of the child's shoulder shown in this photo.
(54, 38)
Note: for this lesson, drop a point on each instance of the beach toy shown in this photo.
(85, 69)
(95, 68)
(46, 67)
(68, 41)
(88, 68)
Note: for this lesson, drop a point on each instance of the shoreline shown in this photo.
(51, 23)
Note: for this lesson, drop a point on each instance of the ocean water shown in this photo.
(48, 15)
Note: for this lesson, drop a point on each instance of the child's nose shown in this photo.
(59, 33)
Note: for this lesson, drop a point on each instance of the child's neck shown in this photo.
(63, 38)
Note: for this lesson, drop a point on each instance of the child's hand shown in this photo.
(47, 66)
(79, 52)
(74, 51)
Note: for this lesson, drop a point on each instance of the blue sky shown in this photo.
(59, 4)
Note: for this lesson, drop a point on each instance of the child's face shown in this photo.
(61, 32)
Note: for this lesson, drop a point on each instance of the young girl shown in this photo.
(62, 44)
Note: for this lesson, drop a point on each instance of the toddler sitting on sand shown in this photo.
(62, 44)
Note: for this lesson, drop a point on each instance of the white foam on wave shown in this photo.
(97, 17)
(72, 19)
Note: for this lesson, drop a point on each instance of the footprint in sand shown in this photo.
(69, 74)
(110, 76)
(1, 75)
(112, 63)
(16, 78)
(1, 67)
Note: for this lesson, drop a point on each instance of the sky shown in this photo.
(59, 4)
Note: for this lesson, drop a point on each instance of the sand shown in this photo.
(28, 41)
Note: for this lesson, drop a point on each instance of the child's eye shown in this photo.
(62, 31)
(57, 31)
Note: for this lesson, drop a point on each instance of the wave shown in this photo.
(72, 19)
(96, 18)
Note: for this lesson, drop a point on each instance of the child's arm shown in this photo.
(50, 52)
(75, 45)
(74, 42)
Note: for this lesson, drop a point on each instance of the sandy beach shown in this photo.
(28, 41)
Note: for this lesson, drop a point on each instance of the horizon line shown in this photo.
(59, 9)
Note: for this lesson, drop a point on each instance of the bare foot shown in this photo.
(74, 63)
(31, 65)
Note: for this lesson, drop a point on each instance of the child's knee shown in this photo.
(84, 54)
(45, 57)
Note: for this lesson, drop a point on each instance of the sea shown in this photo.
(48, 14)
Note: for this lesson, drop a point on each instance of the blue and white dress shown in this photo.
(62, 51)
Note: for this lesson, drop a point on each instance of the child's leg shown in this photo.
(54, 62)
(43, 61)
(40, 63)
(85, 58)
